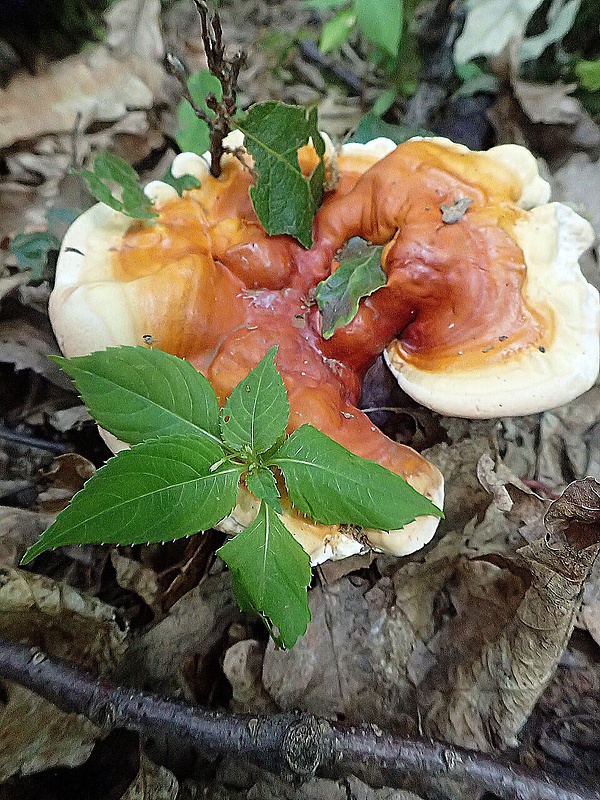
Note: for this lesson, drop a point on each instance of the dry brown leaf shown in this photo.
(27, 346)
(193, 627)
(19, 529)
(576, 183)
(242, 665)
(92, 84)
(152, 783)
(550, 103)
(134, 576)
(65, 477)
(351, 660)
(563, 453)
(56, 618)
(484, 701)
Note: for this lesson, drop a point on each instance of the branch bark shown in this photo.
(299, 745)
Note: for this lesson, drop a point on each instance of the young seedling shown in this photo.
(187, 459)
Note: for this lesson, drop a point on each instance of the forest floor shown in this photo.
(391, 639)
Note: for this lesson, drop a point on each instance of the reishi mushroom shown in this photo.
(484, 315)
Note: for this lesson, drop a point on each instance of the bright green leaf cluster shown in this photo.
(110, 170)
(284, 199)
(358, 275)
(187, 458)
(380, 23)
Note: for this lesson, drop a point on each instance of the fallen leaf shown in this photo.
(483, 700)
(490, 25)
(133, 29)
(34, 734)
(27, 346)
(93, 84)
(242, 665)
(550, 103)
(152, 782)
(195, 624)
(64, 479)
(19, 529)
(351, 660)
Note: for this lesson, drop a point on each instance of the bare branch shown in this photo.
(299, 745)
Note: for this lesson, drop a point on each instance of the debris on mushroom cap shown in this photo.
(118, 282)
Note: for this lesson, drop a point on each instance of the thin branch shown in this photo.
(298, 745)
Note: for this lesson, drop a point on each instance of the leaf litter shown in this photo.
(388, 638)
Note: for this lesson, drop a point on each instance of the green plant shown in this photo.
(386, 27)
(187, 458)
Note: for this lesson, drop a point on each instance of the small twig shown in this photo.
(176, 68)
(311, 52)
(227, 70)
(299, 745)
(32, 441)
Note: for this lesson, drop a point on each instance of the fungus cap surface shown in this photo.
(97, 303)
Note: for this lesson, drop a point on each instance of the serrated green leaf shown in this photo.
(381, 23)
(335, 31)
(108, 167)
(317, 179)
(261, 482)
(193, 134)
(31, 251)
(100, 190)
(139, 394)
(270, 573)
(157, 491)
(283, 198)
(331, 485)
(256, 414)
(359, 275)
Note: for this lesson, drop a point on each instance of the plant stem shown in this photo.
(298, 745)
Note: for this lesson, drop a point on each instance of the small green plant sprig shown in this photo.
(185, 464)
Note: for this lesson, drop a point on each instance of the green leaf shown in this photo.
(270, 573)
(261, 482)
(371, 127)
(324, 4)
(588, 73)
(384, 102)
(333, 486)
(359, 275)
(181, 184)
(256, 414)
(139, 394)
(381, 23)
(284, 200)
(193, 134)
(157, 491)
(110, 169)
(335, 31)
(31, 251)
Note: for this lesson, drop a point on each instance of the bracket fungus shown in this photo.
(485, 312)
